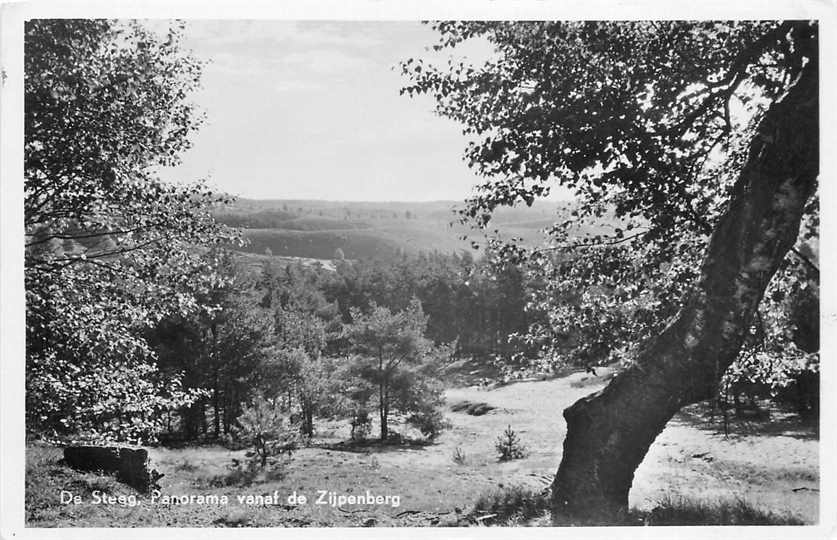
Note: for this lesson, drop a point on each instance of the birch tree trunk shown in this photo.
(609, 432)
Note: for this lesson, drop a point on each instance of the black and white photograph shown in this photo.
(417, 272)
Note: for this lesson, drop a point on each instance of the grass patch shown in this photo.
(244, 474)
(519, 505)
(185, 466)
(682, 511)
(46, 476)
(510, 506)
(235, 517)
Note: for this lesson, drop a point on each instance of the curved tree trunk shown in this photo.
(609, 432)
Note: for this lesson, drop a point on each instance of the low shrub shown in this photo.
(361, 425)
(472, 408)
(246, 473)
(429, 422)
(682, 511)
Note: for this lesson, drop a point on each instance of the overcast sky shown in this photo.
(311, 110)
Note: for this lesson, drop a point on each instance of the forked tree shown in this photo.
(397, 364)
(705, 128)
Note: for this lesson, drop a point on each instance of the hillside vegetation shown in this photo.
(316, 229)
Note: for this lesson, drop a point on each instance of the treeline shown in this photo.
(373, 335)
(310, 219)
(355, 243)
(279, 219)
(477, 304)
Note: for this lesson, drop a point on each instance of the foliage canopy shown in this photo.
(110, 248)
(648, 123)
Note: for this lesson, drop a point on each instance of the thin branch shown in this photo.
(80, 236)
(67, 261)
(595, 244)
(732, 80)
(103, 264)
(806, 260)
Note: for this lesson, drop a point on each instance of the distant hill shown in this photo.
(316, 229)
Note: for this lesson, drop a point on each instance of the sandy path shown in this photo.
(772, 466)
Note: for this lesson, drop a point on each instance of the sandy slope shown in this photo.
(773, 466)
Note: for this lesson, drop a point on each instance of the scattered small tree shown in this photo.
(395, 361)
(264, 425)
(509, 446)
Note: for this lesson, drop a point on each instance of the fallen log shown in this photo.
(130, 465)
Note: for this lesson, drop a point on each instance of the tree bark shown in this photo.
(307, 409)
(609, 432)
(216, 401)
(203, 417)
(383, 413)
(309, 422)
(216, 406)
(382, 398)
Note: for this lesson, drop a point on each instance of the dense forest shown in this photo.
(279, 325)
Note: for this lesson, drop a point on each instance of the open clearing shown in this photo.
(771, 465)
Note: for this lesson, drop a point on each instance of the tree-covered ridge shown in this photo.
(316, 229)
